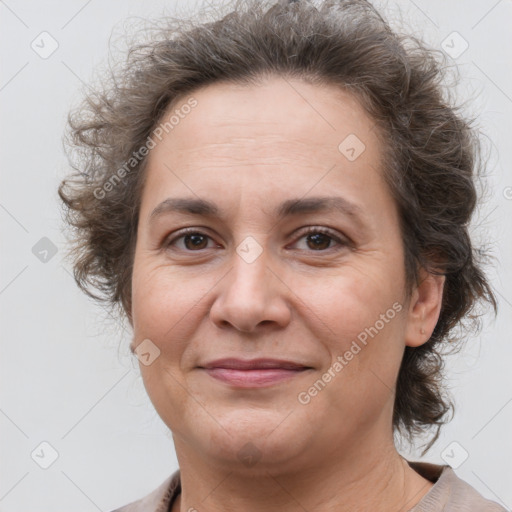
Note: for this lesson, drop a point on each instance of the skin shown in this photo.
(248, 149)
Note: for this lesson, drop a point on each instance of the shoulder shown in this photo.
(157, 500)
(450, 493)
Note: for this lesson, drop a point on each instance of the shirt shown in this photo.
(448, 494)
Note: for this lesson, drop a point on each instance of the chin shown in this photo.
(253, 441)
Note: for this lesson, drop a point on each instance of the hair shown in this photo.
(430, 164)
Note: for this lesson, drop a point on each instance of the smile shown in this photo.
(253, 378)
(255, 373)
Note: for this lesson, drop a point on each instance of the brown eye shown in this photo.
(319, 241)
(189, 240)
(195, 241)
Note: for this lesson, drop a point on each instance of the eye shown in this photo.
(321, 239)
(318, 239)
(193, 240)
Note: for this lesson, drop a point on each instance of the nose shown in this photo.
(252, 296)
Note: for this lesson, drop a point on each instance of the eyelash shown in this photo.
(310, 230)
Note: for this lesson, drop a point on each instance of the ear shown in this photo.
(424, 308)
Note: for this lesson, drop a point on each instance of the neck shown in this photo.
(375, 481)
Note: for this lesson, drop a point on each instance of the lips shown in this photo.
(253, 373)
(254, 364)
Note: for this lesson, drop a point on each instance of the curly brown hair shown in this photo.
(431, 163)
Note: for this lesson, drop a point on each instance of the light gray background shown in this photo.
(67, 377)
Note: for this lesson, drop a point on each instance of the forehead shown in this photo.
(288, 111)
(279, 136)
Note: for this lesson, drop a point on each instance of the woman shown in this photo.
(279, 202)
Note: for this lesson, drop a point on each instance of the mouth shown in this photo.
(253, 373)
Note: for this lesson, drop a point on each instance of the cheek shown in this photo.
(163, 312)
(358, 382)
(358, 317)
(346, 302)
(158, 303)
(167, 308)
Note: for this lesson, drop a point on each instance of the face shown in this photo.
(268, 237)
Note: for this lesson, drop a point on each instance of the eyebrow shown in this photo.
(185, 205)
(290, 207)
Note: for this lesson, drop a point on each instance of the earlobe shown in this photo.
(424, 308)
